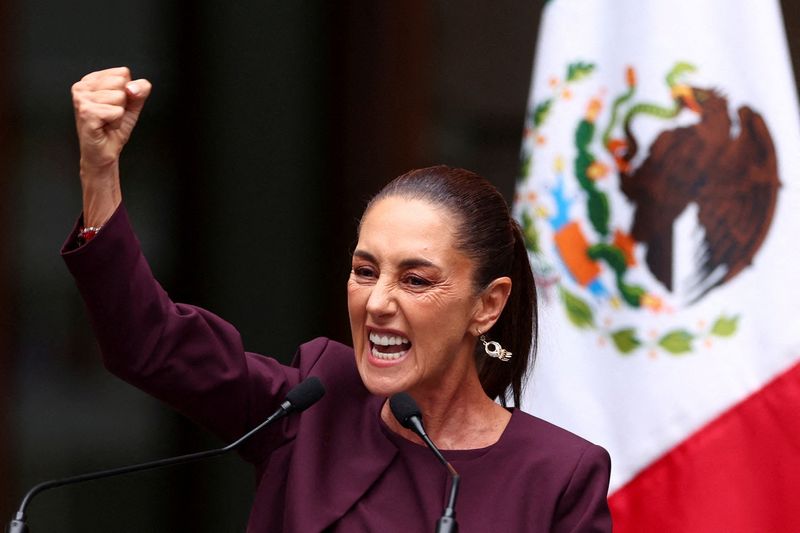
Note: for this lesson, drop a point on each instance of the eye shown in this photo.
(366, 272)
(416, 281)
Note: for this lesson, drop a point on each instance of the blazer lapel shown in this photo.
(338, 455)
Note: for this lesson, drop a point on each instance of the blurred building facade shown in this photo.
(269, 126)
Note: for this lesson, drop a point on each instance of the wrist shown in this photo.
(101, 193)
(98, 175)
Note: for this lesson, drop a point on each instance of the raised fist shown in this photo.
(107, 105)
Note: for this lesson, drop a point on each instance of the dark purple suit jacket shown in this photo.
(311, 469)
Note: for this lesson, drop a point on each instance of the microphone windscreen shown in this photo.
(403, 408)
(306, 393)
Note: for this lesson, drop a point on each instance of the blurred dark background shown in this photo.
(270, 125)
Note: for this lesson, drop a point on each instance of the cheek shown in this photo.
(356, 300)
(353, 292)
(447, 308)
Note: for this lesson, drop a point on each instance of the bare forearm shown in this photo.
(101, 193)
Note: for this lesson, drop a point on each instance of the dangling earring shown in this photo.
(493, 349)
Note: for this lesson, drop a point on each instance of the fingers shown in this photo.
(96, 108)
(107, 106)
(111, 97)
(138, 91)
(110, 87)
(110, 73)
(95, 89)
(107, 86)
(139, 88)
(96, 116)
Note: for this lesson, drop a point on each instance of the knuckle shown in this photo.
(77, 89)
(84, 113)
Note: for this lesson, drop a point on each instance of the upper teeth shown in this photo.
(387, 340)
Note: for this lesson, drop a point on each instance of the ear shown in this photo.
(491, 303)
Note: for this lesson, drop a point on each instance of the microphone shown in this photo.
(406, 411)
(299, 398)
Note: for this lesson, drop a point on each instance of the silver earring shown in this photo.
(493, 349)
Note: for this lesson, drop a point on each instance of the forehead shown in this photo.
(412, 224)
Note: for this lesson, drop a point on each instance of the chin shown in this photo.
(381, 385)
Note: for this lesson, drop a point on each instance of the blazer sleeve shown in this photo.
(181, 354)
(583, 506)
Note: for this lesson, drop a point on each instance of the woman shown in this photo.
(441, 302)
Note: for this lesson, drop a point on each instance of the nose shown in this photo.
(381, 301)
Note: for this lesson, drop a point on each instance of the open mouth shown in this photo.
(388, 347)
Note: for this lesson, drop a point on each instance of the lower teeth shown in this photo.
(387, 356)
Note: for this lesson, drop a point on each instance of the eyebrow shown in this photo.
(405, 263)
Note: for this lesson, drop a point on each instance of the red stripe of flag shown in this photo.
(740, 473)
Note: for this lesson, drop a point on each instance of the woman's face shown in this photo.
(411, 299)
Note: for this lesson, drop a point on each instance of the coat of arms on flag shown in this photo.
(716, 176)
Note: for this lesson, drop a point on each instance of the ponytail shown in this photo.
(515, 330)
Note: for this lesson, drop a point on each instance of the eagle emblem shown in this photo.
(707, 182)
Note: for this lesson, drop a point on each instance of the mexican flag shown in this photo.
(660, 198)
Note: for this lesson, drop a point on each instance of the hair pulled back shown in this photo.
(489, 236)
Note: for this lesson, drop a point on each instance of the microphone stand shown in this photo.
(406, 411)
(305, 394)
(447, 523)
(18, 525)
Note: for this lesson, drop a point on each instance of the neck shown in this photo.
(461, 419)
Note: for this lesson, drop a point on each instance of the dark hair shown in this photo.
(489, 236)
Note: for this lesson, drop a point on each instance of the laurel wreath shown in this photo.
(627, 340)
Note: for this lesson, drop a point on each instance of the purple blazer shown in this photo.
(330, 467)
